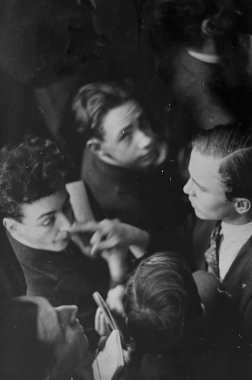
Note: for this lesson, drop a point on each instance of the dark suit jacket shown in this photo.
(232, 328)
(12, 281)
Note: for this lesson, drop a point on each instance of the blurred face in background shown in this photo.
(60, 327)
(37, 38)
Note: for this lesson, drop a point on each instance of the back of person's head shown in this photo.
(32, 170)
(93, 102)
(182, 22)
(163, 307)
(233, 144)
(22, 355)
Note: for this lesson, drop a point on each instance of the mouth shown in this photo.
(191, 203)
(63, 240)
(148, 156)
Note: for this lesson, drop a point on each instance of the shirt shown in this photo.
(233, 238)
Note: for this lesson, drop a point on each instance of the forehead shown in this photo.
(52, 203)
(205, 170)
(122, 116)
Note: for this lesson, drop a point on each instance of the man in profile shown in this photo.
(220, 238)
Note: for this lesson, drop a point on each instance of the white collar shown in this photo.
(208, 58)
(242, 231)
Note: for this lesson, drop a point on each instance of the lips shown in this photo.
(148, 155)
(191, 202)
(63, 239)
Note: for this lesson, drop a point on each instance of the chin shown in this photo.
(200, 216)
(60, 246)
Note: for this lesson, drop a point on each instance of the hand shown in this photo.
(101, 325)
(81, 233)
(115, 300)
(117, 263)
(110, 234)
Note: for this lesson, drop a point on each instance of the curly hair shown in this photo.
(163, 307)
(32, 170)
(179, 21)
(233, 143)
(93, 102)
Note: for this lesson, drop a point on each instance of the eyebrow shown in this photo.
(196, 183)
(54, 211)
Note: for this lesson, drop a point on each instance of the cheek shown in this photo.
(45, 234)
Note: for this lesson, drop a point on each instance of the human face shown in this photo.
(46, 222)
(206, 191)
(60, 327)
(128, 138)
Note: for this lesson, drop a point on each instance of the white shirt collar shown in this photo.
(208, 58)
(240, 232)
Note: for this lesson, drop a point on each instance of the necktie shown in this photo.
(211, 253)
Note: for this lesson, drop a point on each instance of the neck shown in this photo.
(19, 238)
(240, 219)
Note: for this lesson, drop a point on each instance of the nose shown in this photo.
(144, 139)
(65, 222)
(189, 187)
(67, 313)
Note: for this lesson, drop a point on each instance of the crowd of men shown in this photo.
(169, 246)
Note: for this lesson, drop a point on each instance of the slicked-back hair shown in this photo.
(32, 170)
(163, 307)
(93, 102)
(179, 21)
(233, 144)
(22, 355)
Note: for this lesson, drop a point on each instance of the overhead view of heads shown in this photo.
(125, 190)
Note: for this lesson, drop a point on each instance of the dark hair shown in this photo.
(93, 102)
(30, 171)
(163, 306)
(233, 143)
(179, 21)
(22, 355)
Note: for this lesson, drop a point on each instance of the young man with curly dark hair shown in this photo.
(37, 215)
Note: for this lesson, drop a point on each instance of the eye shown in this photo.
(202, 189)
(125, 135)
(49, 221)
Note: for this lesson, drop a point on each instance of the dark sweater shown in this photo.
(143, 198)
(63, 278)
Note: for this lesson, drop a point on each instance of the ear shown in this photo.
(242, 205)
(94, 145)
(205, 26)
(11, 225)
